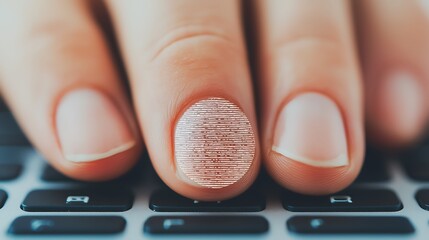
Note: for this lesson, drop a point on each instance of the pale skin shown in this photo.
(364, 62)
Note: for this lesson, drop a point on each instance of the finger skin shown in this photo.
(53, 49)
(306, 51)
(393, 43)
(195, 53)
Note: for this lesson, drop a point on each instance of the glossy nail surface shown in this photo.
(90, 127)
(310, 130)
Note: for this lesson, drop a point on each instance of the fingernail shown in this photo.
(403, 102)
(90, 127)
(214, 143)
(310, 130)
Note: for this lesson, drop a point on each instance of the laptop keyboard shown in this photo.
(389, 200)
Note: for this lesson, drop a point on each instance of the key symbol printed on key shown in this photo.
(316, 223)
(168, 223)
(341, 199)
(77, 199)
(38, 225)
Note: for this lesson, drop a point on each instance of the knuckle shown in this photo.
(324, 45)
(63, 38)
(308, 40)
(192, 42)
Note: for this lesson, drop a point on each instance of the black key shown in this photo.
(3, 107)
(67, 225)
(352, 200)
(50, 174)
(422, 197)
(168, 201)
(9, 171)
(416, 163)
(206, 224)
(3, 197)
(10, 133)
(78, 200)
(349, 225)
(16, 154)
(374, 168)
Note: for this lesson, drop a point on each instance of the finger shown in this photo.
(310, 94)
(394, 45)
(59, 80)
(192, 92)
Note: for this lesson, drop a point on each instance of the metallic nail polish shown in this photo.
(214, 143)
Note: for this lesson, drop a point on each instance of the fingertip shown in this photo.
(190, 190)
(313, 150)
(103, 169)
(397, 112)
(307, 179)
(95, 137)
(215, 154)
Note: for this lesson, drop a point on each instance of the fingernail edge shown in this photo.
(339, 161)
(82, 158)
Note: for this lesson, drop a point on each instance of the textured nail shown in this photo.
(402, 101)
(310, 130)
(214, 143)
(90, 127)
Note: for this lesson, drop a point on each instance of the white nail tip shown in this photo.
(82, 158)
(339, 161)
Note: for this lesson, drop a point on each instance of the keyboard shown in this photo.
(389, 200)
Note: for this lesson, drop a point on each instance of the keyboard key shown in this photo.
(67, 225)
(416, 163)
(3, 197)
(50, 174)
(9, 171)
(10, 132)
(352, 200)
(206, 224)
(374, 168)
(78, 200)
(168, 201)
(349, 225)
(3, 107)
(422, 197)
(16, 154)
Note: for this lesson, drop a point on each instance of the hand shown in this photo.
(189, 67)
